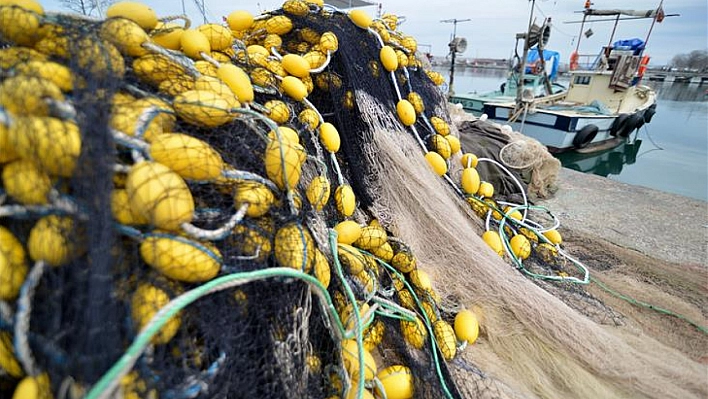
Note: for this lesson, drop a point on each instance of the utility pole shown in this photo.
(453, 49)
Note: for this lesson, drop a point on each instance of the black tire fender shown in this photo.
(631, 124)
(585, 136)
(649, 113)
(618, 124)
(640, 121)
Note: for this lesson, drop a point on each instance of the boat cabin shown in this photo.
(612, 74)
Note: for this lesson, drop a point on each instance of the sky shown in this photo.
(494, 23)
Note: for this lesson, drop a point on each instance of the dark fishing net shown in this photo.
(134, 175)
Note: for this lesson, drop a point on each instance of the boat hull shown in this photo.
(559, 130)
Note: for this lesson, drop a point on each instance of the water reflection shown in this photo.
(604, 163)
(678, 91)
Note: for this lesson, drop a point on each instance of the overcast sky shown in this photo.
(494, 23)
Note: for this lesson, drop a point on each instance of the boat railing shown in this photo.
(588, 62)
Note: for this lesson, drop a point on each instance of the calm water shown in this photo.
(670, 154)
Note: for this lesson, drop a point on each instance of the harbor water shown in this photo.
(669, 154)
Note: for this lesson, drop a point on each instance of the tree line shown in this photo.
(696, 59)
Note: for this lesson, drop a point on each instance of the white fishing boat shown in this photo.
(605, 101)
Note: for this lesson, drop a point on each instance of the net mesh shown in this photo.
(195, 213)
(132, 174)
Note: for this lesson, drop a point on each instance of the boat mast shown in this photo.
(653, 22)
(453, 50)
(612, 35)
(520, 82)
(582, 25)
(580, 35)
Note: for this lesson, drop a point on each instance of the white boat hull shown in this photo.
(558, 130)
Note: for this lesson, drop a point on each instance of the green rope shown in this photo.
(519, 263)
(433, 343)
(587, 278)
(358, 328)
(639, 303)
(105, 386)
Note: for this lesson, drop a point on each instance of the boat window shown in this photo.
(582, 80)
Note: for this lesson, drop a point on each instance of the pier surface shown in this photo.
(664, 226)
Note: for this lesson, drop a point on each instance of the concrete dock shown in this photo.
(665, 226)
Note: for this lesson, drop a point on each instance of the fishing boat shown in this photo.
(533, 80)
(605, 101)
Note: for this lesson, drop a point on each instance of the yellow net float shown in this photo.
(146, 301)
(436, 162)
(388, 58)
(345, 200)
(348, 231)
(417, 102)
(553, 236)
(414, 332)
(296, 7)
(406, 112)
(219, 37)
(238, 81)
(330, 137)
(194, 43)
(279, 25)
(126, 35)
(160, 195)
(13, 268)
(445, 338)
(466, 326)
(294, 88)
(493, 241)
(454, 142)
(470, 181)
(257, 196)
(218, 86)
(321, 269)
(283, 163)
(384, 252)
(440, 145)
(272, 41)
(279, 111)
(469, 160)
(202, 108)
(25, 182)
(361, 19)
(167, 35)
(240, 20)
(440, 126)
(296, 65)
(371, 237)
(294, 247)
(134, 11)
(52, 240)
(309, 118)
(318, 192)
(329, 42)
(520, 246)
(397, 382)
(188, 156)
(181, 259)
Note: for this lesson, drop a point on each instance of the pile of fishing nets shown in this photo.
(200, 212)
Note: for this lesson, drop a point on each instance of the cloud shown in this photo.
(493, 25)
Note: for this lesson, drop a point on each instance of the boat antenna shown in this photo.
(457, 45)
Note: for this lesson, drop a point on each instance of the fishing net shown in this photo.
(219, 211)
(133, 174)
